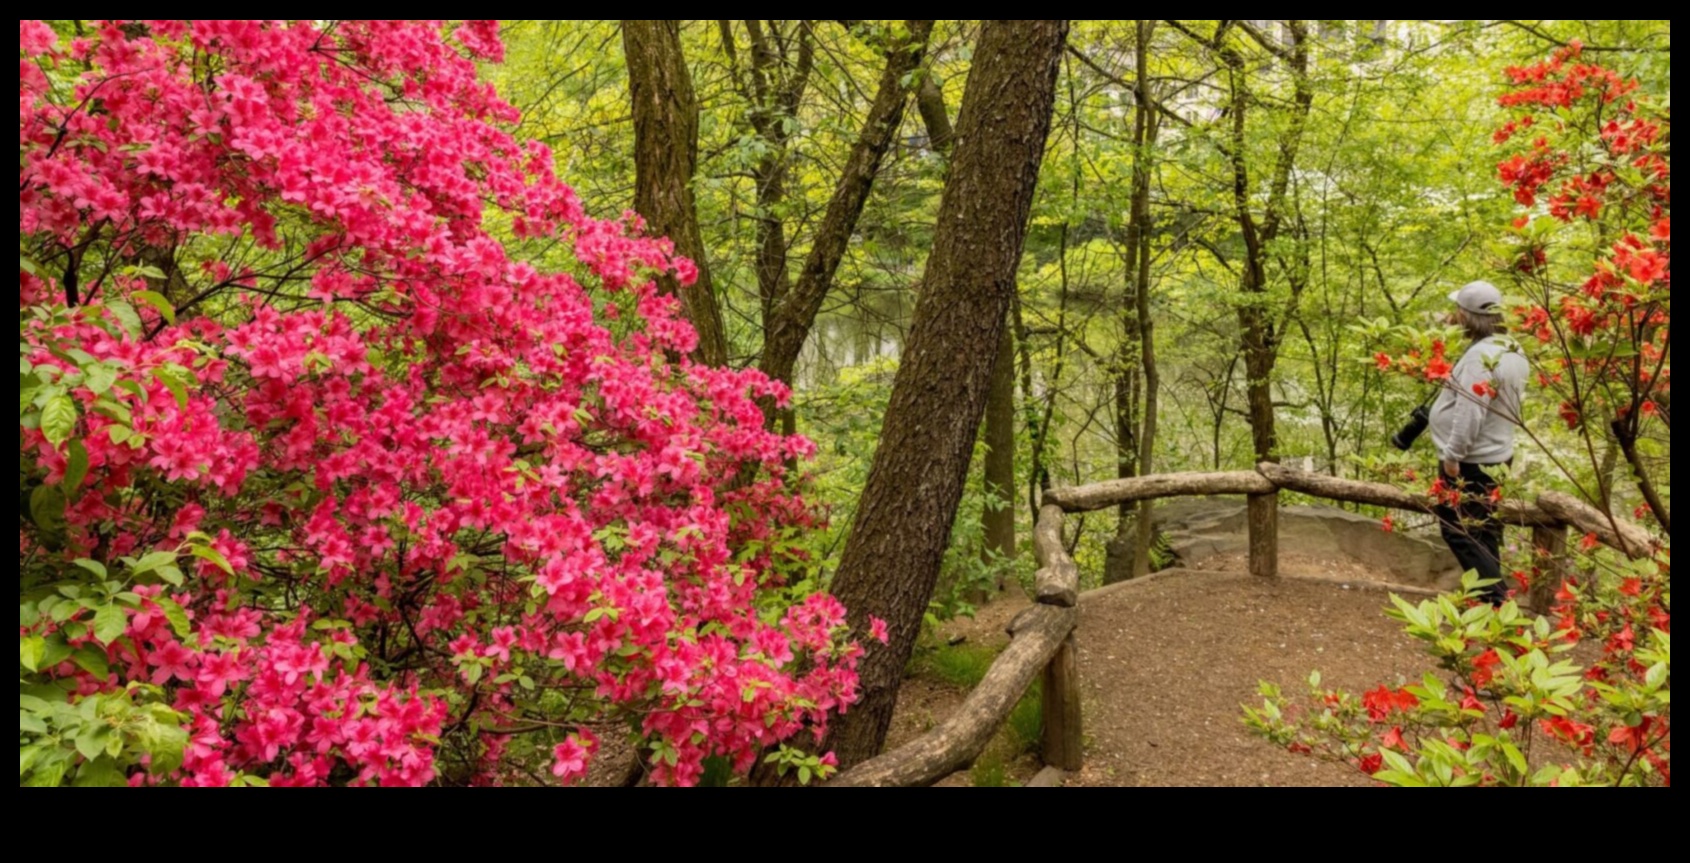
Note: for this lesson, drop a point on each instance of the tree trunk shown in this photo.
(999, 516)
(792, 319)
(891, 562)
(665, 157)
(1255, 319)
(1147, 125)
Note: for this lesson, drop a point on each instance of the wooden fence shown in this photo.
(1042, 637)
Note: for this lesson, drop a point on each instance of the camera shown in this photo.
(1413, 429)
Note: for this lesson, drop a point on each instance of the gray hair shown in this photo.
(1481, 325)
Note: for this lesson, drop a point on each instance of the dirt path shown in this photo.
(1166, 665)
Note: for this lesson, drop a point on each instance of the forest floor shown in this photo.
(1168, 662)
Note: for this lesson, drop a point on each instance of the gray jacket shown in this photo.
(1474, 428)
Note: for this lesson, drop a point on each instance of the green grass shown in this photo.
(1027, 721)
(964, 665)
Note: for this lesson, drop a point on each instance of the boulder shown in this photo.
(1200, 528)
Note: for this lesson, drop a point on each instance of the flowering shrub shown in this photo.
(1518, 704)
(326, 483)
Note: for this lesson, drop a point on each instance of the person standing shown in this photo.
(1473, 422)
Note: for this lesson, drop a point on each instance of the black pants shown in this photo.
(1472, 529)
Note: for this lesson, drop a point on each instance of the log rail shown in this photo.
(1042, 637)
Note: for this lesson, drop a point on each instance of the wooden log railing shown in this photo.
(1042, 637)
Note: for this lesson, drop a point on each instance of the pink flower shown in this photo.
(173, 660)
(569, 760)
(451, 446)
(877, 630)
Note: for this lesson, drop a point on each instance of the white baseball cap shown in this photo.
(1478, 297)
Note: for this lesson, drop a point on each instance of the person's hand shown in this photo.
(1452, 469)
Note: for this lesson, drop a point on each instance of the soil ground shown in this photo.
(1168, 662)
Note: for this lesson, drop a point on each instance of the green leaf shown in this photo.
(91, 743)
(206, 552)
(76, 468)
(159, 303)
(102, 772)
(125, 316)
(170, 575)
(47, 775)
(1516, 759)
(1656, 675)
(47, 508)
(177, 617)
(57, 650)
(100, 378)
(93, 566)
(109, 623)
(92, 660)
(152, 562)
(58, 419)
(30, 650)
(28, 387)
(176, 379)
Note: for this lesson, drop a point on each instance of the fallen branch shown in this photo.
(1617, 533)
(1058, 580)
(1088, 498)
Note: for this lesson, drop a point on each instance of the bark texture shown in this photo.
(1000, 453)
(891, 561)
(665, 157)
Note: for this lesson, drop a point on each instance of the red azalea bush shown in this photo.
(1518, 704)
(324, 482)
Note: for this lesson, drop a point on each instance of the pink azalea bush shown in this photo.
(352, 450)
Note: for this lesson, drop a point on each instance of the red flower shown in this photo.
(1570, 732)
(1383, 360)
(1470, 700)
(1371, 763)
(1484, 668)
(1393, 740)
(1648, 266)
(1382, 702)
(1570, 415)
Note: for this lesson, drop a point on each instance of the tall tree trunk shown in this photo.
(792, 319)
(891, 562)
(1147, 126)
(1255, 316)
(997, 520)
(1136, 429)
(999, 515)
(665, 158)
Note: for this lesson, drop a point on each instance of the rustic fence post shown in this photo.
(1263, 517)
(1062, 708)
(1549, 555)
